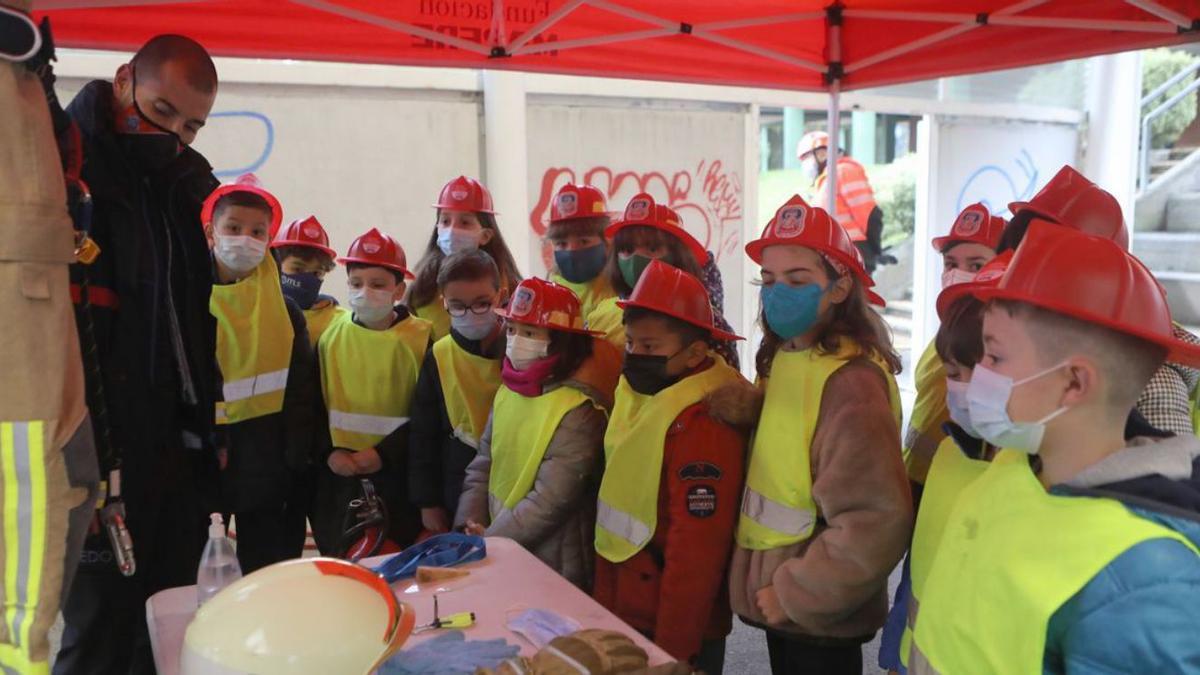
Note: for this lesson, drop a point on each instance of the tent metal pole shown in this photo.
(940, 36)
(499, 31)
(1084, 24)
(1164, 13)
(562, 45)
(540, 27)
(757, 51)
(833, 48)
(761, 21)
(835, 128)
(389, 24)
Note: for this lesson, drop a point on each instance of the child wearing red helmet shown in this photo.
(465, 221)
(304, 256)
(1169, 400)
(264, 416)
(456, 387)
(368, 365)
(1074, 549)
(826, 513)
(650, 231)
(578, 220)
(669, 497)
(541, 454)
(970, 244)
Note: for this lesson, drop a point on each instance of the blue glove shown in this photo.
(450, 653)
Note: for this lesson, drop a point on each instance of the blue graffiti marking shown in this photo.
(984, 184)
(267, 148)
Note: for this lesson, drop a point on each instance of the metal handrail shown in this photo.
(1158, 91)
(1144, 164)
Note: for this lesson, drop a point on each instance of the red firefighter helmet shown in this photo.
(1092, 279)
(465, 194)
(544, 303)
(671, 291)
(798, 224)
(307, 233)
(246, 182)
(377, 248)
(1071, 199)
(642, 210)
(577, 201)
(976, 225)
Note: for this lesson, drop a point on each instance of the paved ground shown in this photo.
(746, 648)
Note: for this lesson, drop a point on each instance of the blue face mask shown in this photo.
(303, 289)
(791, 310)
(581, 265)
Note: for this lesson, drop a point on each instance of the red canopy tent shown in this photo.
(790, 44)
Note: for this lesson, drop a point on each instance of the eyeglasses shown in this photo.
(458, 309)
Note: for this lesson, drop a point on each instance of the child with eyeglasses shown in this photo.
(455, 388)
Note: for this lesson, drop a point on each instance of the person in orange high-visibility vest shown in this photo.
(857, 211)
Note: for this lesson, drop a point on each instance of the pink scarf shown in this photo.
(528, 382)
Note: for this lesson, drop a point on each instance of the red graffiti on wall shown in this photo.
(707, 198)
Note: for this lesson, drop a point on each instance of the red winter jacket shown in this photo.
(674, 590)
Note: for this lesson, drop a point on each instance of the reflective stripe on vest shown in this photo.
(522, 427)
(855, 199)
(997, 577)
(777, 504)
(436, 314)
(375, 425)
(633, 452)
(590, 293)
(368, 378)
(609, 319)
(254, 344)
(319, 318)
(950, 472)
(929, 413)
(469, 384)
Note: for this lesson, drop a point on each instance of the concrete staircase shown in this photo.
(1167, 224)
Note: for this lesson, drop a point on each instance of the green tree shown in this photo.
(1158, 65)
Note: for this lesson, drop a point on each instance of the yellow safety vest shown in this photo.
(590, 293)
(320, 316)
(469, 384)
(950, 472)
(929, 414)
(777, 504)
(254, 344)
(1010, 556)
(436, 314)
(522, 427)
(368, 378)
(609, 319)
(627, 514)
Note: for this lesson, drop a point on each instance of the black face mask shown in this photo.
(647, 373)
(149, 145)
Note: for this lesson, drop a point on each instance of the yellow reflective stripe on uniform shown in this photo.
(265, 383)
(622, 524)
(855, 185)
(14, 661)
(22, 447)
(378, 425)
(773, 515)
(844, 218)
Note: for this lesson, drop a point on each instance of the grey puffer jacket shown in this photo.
(556, 521)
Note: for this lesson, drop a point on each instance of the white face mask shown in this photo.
(810, 168)
(956, 401)
(371, 305)
(522, 351)
(454, 240)
(474, 326)
(956, 276)
(238, 253)
(987, 401)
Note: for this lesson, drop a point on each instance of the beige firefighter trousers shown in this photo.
(48, 473)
